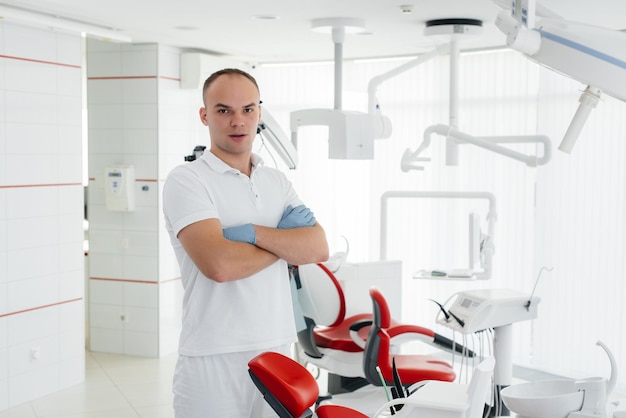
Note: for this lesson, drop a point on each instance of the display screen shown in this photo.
(115, 174)
(466, 303)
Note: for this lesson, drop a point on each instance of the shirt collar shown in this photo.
(221, 167)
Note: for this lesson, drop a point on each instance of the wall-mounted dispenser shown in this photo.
(119, 188)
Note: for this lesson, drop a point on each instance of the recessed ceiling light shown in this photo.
(186, 27)
(265, 17)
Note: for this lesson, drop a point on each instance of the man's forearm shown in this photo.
(297, 246)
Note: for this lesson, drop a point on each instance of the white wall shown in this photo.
(41, 212)
(138, 116)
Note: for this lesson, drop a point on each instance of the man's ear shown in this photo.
(202, 113)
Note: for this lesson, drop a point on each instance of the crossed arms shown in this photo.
(236, 253)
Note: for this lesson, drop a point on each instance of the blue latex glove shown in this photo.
(296, 217)
(243, 233)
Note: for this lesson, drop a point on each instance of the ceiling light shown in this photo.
(30, 17)
(453, 27)
(349, 25)
(266, 17)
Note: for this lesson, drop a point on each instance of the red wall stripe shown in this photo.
(18, 186)
(40, 307)
(40, 61)
(105, 279)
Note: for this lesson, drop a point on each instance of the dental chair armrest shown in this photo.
(354, 331)
(401, 334)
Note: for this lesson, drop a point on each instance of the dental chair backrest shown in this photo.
(321, 296)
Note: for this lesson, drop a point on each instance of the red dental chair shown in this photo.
(290, 389)
(327, 341)
(378, 356)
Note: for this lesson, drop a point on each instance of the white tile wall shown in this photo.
(126, 123)
(40, 216)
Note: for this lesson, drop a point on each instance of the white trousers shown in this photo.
(219, 386)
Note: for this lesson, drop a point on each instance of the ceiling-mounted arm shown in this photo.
(410, 158)
(592, 55)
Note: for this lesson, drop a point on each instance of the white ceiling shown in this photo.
(228, 27)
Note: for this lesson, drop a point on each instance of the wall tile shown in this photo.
(31, 325)
(30, 293)
(4, 365)
(31, 262)
(142, 243)
(70, 139)
(142, 295)
(108, 91)
(22, 361)
(139, 60)
(103, 63)
(69, 49)
(72, 316)
(31, 77)
(27, 42)
(169, 62)
(70, 169)
(142, 319)
(4, 333)
(32, 232)
(139, 267)
(108, 266)
(19, 107)
(19, 170)
(71, 200)
(69, 111)
(4, 302)
(31, 202)
(106, 292)
(72, 285)
(34, 384)
(104, 142)
(2, 63)
(106, 316)
(4, 392)
(105, 116)
(147, 206)
(139, 116)
(24, 139)
(142, 90)
(72, 370)
(140, 141)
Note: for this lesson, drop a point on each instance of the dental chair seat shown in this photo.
(290, 389)
(378, 358)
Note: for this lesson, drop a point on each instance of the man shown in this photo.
(234, 225)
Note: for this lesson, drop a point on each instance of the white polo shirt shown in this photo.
(242, 315)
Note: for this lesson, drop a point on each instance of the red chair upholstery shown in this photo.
(411, 368)
(327, 342)
(290, 389)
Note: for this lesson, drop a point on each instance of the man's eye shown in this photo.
(223, 111)
(248, 110)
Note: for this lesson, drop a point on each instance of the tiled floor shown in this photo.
(115, 386)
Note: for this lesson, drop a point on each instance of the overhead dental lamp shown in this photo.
(451, 31)
(592, 55)
(351, 134)
(269, 130)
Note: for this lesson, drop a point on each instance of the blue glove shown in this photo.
(296, 217)
(243, 233)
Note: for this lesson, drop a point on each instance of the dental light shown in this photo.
(269, 130)
(592, 55)
(453, 29)
(351, 133)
